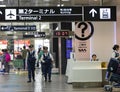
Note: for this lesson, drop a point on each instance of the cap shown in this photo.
(31, 46)
(45, 47)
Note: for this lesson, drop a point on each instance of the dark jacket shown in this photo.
(113, 65)
(31, 59)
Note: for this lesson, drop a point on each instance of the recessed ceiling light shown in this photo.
(65, 0)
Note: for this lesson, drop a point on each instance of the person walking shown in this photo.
(47, 60)
(31, 63)
(6, 61)
(40, 53)
(24, 54)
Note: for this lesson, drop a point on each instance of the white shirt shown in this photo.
(46, 55)
(114, 54)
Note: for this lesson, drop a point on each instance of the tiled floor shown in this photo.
(17, 82)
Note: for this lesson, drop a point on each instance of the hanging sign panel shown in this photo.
(40, 14)
(100, 13)
(52, 14)
(18, 28)
(34, 35)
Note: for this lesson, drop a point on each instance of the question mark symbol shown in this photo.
(84, 28)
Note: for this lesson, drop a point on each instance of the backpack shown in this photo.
(7, 57)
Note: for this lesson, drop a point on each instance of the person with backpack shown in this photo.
(47, 60)
(6, 61)
(31, 60)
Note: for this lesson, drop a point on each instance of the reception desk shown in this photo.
(84, 73)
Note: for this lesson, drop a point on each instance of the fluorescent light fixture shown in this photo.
(1, 0)
(60, 5)
(2, 5)
(46, 0)
(65, 0)
(115, 33)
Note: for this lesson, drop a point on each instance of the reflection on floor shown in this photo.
(17, 82)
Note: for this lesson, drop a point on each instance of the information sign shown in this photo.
(41, 14)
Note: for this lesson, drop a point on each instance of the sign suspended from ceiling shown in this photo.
(34, 35)
(51, 14)
(40, 13)
(18, 28)
(99, 13)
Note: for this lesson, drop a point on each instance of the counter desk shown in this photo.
(85, 73)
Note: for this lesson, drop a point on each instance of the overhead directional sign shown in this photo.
(100, 13)
(34, 35)
(93, 12)
(18, 28)
(52, 14)
(41, 14)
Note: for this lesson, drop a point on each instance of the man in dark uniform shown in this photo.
(47, 60)
(31, 63)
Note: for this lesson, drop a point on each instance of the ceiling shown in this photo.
(11, 3)
(46, 26)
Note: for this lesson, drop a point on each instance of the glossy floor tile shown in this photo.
(17, 82)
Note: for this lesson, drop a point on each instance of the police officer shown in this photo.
(31, 63)
(47, 60)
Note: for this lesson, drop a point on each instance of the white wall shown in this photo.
(102, 40)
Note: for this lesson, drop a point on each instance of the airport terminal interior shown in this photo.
(72, 30)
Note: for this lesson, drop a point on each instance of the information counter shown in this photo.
(84, 73)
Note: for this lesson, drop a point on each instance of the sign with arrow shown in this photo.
(100, 13)
(93, 12)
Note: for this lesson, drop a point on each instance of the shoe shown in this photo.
(45, 80)
(28, 81)
(49, 81)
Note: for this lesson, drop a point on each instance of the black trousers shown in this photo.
(47, 71)
(31, 71)
(24, 64)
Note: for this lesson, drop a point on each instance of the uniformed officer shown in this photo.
(31, 63)
(47, 60)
